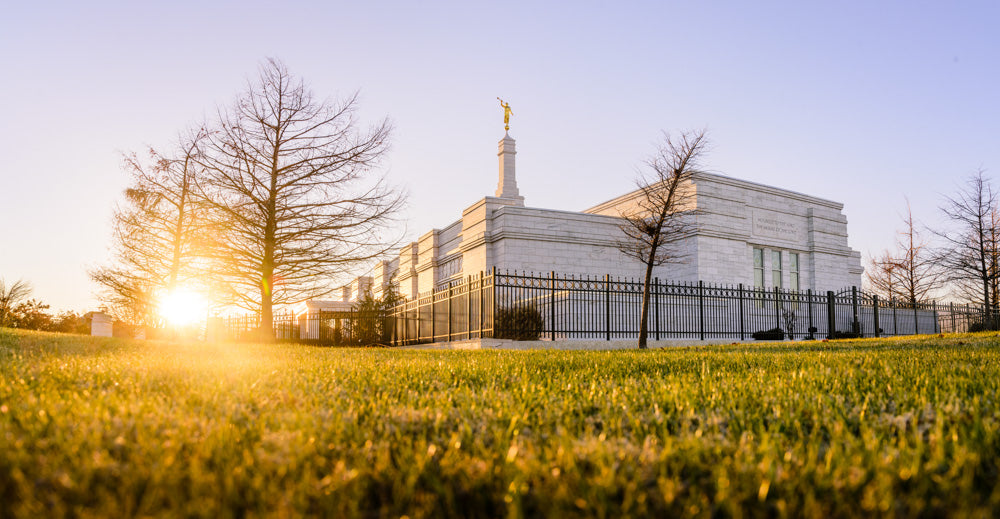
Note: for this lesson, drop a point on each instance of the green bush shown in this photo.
(986, 324)
(521, 323)
(373, 322)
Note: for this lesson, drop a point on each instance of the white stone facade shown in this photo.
(101, 325)
(734, 217)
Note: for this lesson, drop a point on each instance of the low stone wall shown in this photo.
(583, 344)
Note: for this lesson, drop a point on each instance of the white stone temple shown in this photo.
(745, 233)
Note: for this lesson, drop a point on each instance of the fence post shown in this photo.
(937, 325)
(656, 306)
(951, 308)
(855, 325)
(742, 328)
(552, 303)
(878, 331)
(417, 338)
(395, 325)
(433, 316)
(482, 306)
(777, 307)
(701, 309)
(493, 306)
(450, 293)
(809, 299)
(968, 316)
(831, 315)
(895, 320)
(468, 307)
(607, 307)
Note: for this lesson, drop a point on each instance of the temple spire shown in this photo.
(507, 187)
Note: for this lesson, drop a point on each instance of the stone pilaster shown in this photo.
(407, 271)
(427, 255)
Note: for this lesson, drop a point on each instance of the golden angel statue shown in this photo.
(506, 114)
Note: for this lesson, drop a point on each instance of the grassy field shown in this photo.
(116, 428)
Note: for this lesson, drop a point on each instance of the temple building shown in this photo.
(744, 232)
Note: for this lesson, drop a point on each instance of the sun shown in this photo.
(182, 307)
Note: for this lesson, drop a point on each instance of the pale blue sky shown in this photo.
(859, 102)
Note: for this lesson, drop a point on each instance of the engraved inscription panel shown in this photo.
(769, 224)
(451, 268)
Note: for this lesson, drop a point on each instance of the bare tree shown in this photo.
(971, 289)
(290, 186)
(882, 275)
(10, 297)
(662, 211)
(909, 274)
(968, 257)
(994, 256)
(157, 233)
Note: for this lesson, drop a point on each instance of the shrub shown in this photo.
(373, 322)
(774, 334)
(986, 324)
(521, 323)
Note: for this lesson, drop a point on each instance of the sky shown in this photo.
(866, 103)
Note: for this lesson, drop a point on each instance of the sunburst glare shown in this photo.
(183, 307)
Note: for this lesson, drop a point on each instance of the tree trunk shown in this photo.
(644, 318)
(270, 240)
(175, 260)
(986, 298)
(267, 286)
(984, 271)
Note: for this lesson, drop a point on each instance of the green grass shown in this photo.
(116, 428)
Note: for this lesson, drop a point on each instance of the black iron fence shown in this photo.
(553, 307)
(337, 328)
(459, 312)
(528, 306)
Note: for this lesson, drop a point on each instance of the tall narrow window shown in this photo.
(793, 271)
(776, 268)
(758, 268)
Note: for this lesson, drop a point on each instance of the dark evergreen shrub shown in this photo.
(985, 324)
(521, 323)
(774, 334)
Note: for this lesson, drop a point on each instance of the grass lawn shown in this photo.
(116, 428)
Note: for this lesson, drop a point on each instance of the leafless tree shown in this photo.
(994, 256)
(909, 274)
(291, 187)
(663, 211)
(882, 275)
(969, 254)
(10, 296)
(156, 233)
(971, 289)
